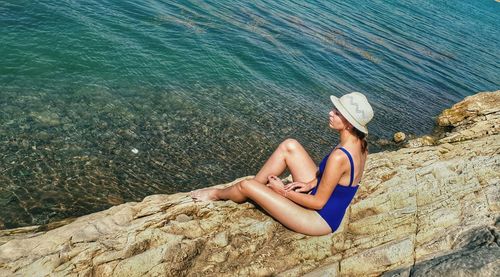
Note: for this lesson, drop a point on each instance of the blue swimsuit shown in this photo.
(341, 197)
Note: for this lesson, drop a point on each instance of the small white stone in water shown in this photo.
(135, 151)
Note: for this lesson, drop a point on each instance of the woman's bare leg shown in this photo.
(287, 212)
(214, 194)
(292, 155)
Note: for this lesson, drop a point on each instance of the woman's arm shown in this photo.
(336, 165)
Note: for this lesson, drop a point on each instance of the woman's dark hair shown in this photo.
(362, 137)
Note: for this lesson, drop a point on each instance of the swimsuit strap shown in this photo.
(352, 164)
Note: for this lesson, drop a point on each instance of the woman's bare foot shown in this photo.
(207, 194)
(275, 183)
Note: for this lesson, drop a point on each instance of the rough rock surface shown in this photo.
(476, 116)
(423, 211)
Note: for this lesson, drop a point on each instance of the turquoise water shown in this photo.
(109, 101)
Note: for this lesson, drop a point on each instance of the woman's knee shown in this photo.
(244, 186)
(290, 145)
(247, 186)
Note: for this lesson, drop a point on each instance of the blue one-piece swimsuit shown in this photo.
(334, 210)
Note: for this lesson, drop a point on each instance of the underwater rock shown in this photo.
(46, 118)
(114, 199)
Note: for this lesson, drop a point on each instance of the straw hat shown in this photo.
(355, 108)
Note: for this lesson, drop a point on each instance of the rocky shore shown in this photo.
(430, 209)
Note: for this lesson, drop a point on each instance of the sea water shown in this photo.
(103, 102)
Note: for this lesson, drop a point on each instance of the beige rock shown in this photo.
(331, 270)
(470, 108)
(414, 206)
(421, 141)
(379, 259)
(476, 116)
(399, 137)
(221, 239)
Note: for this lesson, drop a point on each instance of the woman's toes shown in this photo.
(275, 181)
(195, 194)
(207, 194)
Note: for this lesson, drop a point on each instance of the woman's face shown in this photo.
(337, 121)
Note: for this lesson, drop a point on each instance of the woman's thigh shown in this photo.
(287, 212)
(299, 162)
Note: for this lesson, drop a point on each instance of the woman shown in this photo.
(330, 189)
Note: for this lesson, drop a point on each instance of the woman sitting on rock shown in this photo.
(315, 203)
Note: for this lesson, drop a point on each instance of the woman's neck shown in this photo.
(347, 138)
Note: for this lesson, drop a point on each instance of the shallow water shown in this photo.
(110, 101)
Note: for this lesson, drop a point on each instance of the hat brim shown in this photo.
(338, 105)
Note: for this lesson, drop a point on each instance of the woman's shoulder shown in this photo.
(343, 156)
(338, 157)
(345, 152)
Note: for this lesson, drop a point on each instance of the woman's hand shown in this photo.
(298, 187)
